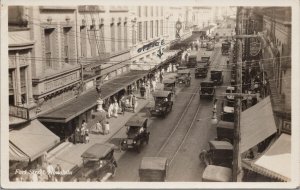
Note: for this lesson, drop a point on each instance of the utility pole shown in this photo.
(237, 133)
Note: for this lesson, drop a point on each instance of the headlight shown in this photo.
(134, 142)
(124, 141)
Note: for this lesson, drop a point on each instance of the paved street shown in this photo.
(185, 166)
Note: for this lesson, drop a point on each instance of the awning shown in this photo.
(276, 161)
(16, 42)
(81, 104)
(257, 124)
(31, 141)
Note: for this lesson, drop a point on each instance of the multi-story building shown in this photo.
(202, 16)
(269, 50)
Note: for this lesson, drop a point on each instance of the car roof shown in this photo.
(153, 163)
(98, 151)
(217, 173)
(137, 121)
(207, 82)
(216, 70)
(230, 88)
(161, 93)
(225, 124)
(221, 145)
(184, 71)
(228, 109)
(169, 81)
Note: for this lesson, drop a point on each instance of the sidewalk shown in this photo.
(69, 156)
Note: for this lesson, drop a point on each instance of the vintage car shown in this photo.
(183, 77)
(163, 103)
(216, 76)
(182, 67)
(99, 162)
(206, 59)
(210, 46)
(201, 71)
(220, 153)
(214, 173)
(225, 131)
(170, 85)
(137, 133)
(153, 169)
(192, 61)
(207, 90)
(228, 110)
(230, 90)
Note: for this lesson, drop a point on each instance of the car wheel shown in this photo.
(113, 171)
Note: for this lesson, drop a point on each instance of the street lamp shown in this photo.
(214, 119)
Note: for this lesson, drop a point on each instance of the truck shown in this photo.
(225, 48)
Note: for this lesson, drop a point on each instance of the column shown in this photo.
(29, 81)
(18, 82)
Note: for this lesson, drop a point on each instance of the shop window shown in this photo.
(83, 41)
(49, 45)
(140, 32)
(66, 34)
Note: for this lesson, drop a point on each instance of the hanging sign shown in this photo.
(158, 42)
(255, 46)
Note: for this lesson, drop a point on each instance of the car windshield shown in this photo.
(133, 130)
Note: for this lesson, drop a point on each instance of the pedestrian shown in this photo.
(50, 172)
(87, 136)
(161, 77)
(98, 89)
(143, 90)
(98, 127)
(82, 131)
(115, 109)
(153, 85)
(110, 109)
(58, 173)
(122, 103)
(77, 135)
(106, 128)
(134, 103)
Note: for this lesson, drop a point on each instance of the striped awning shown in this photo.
(16, 154)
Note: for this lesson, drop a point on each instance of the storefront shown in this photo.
(64, 119)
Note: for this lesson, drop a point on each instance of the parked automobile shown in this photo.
(214, 173)
(216, 76)
(153, 169)
(137, 133)
(99, 161)
(183, 77)
(163, 103)
(227, 111)
(207, 90)
(220, 153)
(170, 85)
(225, 131)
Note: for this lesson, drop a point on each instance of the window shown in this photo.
(119, 37)
(139, 11)
(101, 35)
(161, 27)
(156, 10)
(161, 11)
(66, 32)
(151, 29)
(92, 39)
(125, 35)
(83, 41)
(140, 31)
(133, 35)
(48, 46)
(146, 30)
(152, 11)
(112, 34)
(157, 28)
(146, 11)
